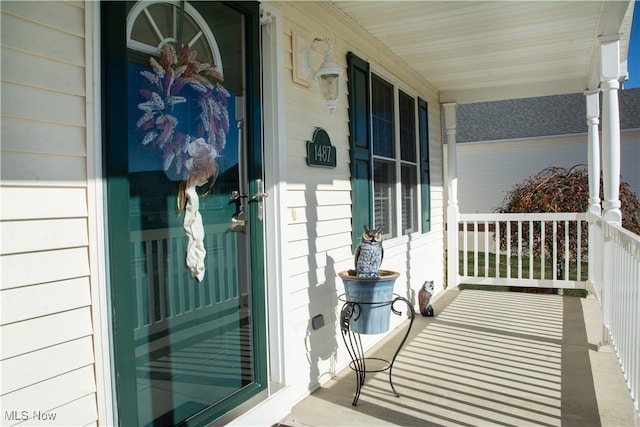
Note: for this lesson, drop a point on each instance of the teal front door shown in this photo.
(184, 169)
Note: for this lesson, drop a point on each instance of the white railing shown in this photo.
(619, 295)
(534, 250)
(548, 250)
(165, 294)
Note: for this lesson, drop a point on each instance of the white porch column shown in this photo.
(609, 75)
(453, 212)
(593, 147)
(592, 98)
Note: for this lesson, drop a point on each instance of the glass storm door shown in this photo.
(182, 137)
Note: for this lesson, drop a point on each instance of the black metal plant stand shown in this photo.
(353, 342)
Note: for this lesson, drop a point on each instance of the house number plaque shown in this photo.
(320, 152)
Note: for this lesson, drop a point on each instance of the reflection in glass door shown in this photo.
(186, 323)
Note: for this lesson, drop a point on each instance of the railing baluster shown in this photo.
(475, 248)
(140, 284)
(170, 280)
(578, 255)
(223, 267)
(635, 360)
(465, 269)
(543, 252)
(519, 249)
(566, 249)
(554, 257)
(150, 290)
(497, 260)
(626, 314)
(531, 250)
(486, 249)
(180, 305)
(508, 254)
(213, 268)
(202, 301)
(621, 308)
(191, 286)
(162, 297)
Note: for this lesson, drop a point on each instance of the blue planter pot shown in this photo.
(373, 296)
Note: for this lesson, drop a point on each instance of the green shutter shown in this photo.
(425, 183)
(361, 149)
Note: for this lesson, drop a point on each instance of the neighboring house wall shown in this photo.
(501, 144)
(319, 200)
(47, 356)
(487, 171)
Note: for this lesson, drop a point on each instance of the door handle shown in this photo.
(238, 222)
(236, 196)
(259, 197)
(256, 197)
(238, 219)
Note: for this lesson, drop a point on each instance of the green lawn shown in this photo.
(537, 270)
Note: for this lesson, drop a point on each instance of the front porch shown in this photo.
(490, 357)
(487, 358)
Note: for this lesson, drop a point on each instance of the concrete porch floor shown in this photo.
(487, 358)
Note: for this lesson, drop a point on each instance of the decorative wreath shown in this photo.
(192, 156)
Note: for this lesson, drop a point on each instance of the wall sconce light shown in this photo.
(328, 75)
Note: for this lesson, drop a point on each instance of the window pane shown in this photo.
(143, 30)
(382, 117)
(409, 197)
(384, 197)
(407, 127)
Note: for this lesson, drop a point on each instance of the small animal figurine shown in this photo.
(424, 299)
(369, 252)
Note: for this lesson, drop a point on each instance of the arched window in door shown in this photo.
(152, 24)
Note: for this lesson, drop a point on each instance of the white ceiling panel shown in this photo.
(482, 50)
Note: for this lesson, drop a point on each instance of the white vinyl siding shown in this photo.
(47, 353)
(319, 200)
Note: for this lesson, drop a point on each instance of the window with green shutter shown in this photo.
(389, 154)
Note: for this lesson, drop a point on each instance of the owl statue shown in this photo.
(424, 299)
(369, 252)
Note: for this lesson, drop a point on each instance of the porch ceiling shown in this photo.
(487, 50)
